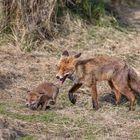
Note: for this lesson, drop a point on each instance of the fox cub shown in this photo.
(42, 96)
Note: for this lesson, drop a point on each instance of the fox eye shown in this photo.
(67, 61)
(40, 93)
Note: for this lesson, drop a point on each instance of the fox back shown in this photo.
(99, 68)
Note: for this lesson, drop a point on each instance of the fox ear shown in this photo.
(28, 91)
(65, 53)
(77, 55)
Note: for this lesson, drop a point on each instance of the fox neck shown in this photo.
(75, 66)
(78, 72)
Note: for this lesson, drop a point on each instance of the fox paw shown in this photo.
(131, 109)
(47, 107)
(95, 105)
(72, 98)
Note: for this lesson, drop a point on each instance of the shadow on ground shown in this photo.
(7, 79)
(110, 98)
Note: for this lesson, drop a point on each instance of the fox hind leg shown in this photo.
(116, 91)
(129, 94)
(121, 82)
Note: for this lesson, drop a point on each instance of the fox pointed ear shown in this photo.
(28, 91)
(65, 53)
(77, 55)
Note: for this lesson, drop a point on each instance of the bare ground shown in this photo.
(20, 71)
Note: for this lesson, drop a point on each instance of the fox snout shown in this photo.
(57, 77)
(62, 79)
(27, 104)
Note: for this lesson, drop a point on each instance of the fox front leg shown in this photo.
(45, 106)
(72, 97)
(94, 96)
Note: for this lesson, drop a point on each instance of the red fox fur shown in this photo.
(44, 95)
(120, 76)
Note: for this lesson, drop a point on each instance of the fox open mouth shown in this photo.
(62, 80)
(69, 76)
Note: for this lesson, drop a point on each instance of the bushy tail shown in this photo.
(134, 80)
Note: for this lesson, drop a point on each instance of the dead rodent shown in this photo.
(44, 95)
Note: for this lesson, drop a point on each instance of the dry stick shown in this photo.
(98, 130)
(50, 14)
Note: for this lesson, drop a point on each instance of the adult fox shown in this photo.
(121, 78)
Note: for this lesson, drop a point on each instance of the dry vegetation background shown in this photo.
(33, 35)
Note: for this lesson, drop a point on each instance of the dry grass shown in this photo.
(20, 71)
(29, 22)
